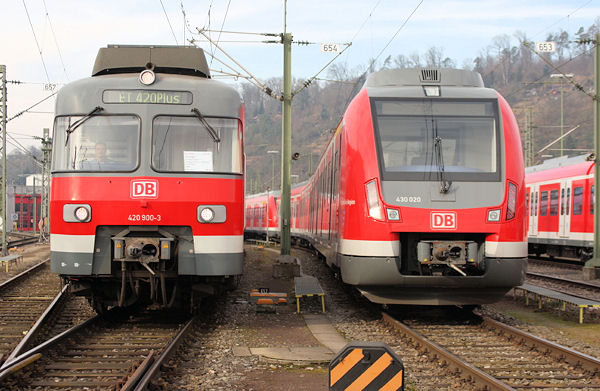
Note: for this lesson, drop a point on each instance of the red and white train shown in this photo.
(419, 197)
(147, 187)
(560, 207)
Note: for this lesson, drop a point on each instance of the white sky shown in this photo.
(74, 30)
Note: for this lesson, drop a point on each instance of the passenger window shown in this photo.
(554, 203)
(536, 203)
(544, 203)
(577, 200)
(527, 201)
(568, 200)
(562, 201)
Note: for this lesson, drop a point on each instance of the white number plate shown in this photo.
(545, 47)
(330, 47)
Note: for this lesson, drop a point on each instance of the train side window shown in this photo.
(568, 200)
(544, 203)
(554, 203)
(562, 201)
(577, 200)
(535, 210)
(592, 201)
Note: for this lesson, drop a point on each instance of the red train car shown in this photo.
(419, 197)
(147, 179)
(262, 216)
(560, 207)
(24, 209)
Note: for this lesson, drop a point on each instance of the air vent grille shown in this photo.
(430, 75)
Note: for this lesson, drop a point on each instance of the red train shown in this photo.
(560, 207)
(419, 197)
(147, 188)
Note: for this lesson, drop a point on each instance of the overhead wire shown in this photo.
(31, 107)
(36, 41)
(399, 29)
(55, 40)
(222, 25)
(169, 21)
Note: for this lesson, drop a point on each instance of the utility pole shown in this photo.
(590, 270)
(529, 148)
(3, 181)
(286, 143)
(45, 217)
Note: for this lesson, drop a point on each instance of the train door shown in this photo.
(533, 210)
(527, 208)
(578, 217)
(549, 208)
(565, 200)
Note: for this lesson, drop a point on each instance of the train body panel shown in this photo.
(560, 207)
(419, 199)
(147, 179)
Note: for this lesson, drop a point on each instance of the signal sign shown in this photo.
(545, 47)
(366, 366)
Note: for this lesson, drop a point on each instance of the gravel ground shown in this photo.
(207, 362)
(32, 254)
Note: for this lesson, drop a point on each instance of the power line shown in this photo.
(222, 24)
(36, 41)
(31, 107)
(168, 21)
(401, 27)
(55, 40)
(564, 17)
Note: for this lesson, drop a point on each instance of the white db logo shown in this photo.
(144, 189)
(443, 220)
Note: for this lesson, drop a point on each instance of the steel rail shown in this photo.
(569, 355)
(154, 370)
(582, 284)
(464, 369)
(22, 275)
(33, 354)
(37, 326)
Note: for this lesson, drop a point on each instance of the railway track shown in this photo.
(495, 356)
(588, 290)
(104, 353)
(23, 299)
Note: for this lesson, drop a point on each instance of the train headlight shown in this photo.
(393, 214)
(375, 207)
(431, 90)
(207, 215)
(147, 77)
(494, 215)
(82, 214)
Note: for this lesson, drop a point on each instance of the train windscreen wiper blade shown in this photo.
(439, 154)
(80, 121)
(209, 128)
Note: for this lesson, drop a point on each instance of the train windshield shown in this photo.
(100, 143)
(183, 144)
(428, 140)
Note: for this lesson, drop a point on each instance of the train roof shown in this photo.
(409, 83)
(186, 60)
(560, 167)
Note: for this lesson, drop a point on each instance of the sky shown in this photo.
(47, 43)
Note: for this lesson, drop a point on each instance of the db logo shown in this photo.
(144, 189)
(443, 220)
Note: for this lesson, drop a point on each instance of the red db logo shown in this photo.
(443, 220)
(144, 189)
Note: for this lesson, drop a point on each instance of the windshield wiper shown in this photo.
(210, 129)
(439, 155)
(80, 121)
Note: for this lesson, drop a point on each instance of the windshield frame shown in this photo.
(434, 174)
(55, 144)
(240, 129)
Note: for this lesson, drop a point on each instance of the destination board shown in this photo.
(147, 97)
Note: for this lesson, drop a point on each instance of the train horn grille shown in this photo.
(430, 75)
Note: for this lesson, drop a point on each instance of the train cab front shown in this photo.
(447, 197)
(147, 184)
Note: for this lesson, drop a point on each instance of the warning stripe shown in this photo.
(345, 365)
(394, 384)
(370, 374)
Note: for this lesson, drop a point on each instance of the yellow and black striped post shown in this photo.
(366, 366)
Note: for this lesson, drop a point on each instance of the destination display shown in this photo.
(147, 97)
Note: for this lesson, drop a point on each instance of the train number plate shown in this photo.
(443, 220)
